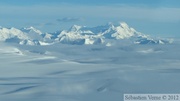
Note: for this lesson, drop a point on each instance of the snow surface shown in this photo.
(63, 72)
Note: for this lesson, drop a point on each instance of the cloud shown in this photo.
(69, 19)
(49, 24)
(42, 24)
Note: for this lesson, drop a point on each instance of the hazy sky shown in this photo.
(154, 17)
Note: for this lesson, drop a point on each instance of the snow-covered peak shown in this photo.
(33, 33)
(7, 33)
(75, 28)
(31, 30)
(124, 25)
(121, 31)
(104, 34)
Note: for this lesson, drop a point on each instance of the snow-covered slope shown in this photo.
(102, 34)
(32, 33)
(78, 35)
(8, 33)
(23, 37)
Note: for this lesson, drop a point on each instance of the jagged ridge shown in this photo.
(79, 35)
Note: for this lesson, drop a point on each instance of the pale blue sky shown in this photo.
(154, 17)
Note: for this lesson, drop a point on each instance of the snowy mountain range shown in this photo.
(78, 35)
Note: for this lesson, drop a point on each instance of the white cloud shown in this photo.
(69, 19)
